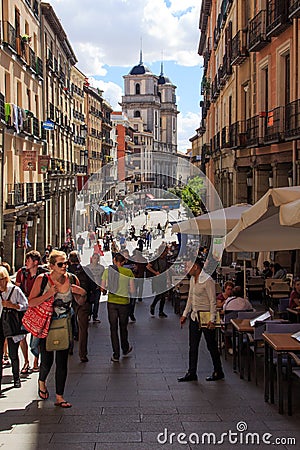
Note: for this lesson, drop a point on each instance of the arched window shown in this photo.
(137, 88)
(137, 114)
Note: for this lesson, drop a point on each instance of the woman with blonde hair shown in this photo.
(11, 297)
(64, 289)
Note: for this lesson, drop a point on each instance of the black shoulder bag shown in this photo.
(12, 319)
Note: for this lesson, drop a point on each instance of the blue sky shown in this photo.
(107, 42)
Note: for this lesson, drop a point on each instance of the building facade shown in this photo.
(24, 189)
(248, 136)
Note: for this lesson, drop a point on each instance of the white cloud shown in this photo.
(187, 125)
(111, 31)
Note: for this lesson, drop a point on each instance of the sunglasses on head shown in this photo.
(61, 264)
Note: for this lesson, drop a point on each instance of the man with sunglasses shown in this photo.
(25, 279)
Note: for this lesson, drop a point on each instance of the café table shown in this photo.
(239, 328)
(281, 343)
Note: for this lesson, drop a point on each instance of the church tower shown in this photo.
(152, 98)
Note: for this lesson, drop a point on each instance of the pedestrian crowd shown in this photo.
(54, 297)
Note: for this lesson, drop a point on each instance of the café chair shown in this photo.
(293, 368)
(226, 329)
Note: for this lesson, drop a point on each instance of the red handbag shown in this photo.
(37, 319)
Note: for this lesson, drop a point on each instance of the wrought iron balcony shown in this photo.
(36, 127)
(81, 169)
(50, 59)
(2, 107)
(294, 9)
(19, 194)
(39, 67)
(277, 17)
(9, 35)
(216, 144)
(254, 131)
(239, 48)
(51, 111)
(215, 89)
(32, 59)
(55, 65)
(80, 140)
(274, 126)
(258, 32)
(292, 120)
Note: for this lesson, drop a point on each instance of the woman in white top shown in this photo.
(13, 298)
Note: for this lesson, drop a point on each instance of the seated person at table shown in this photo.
(267, 271)
(223, 296)
(237, 302)
(295, 295)
(279, 272)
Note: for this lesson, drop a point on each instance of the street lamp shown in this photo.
(290, 177)
(250, 178)
(270, 179)
(29, 221)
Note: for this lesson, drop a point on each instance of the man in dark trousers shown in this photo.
(202, 298)
(82, 312)
(159, 268)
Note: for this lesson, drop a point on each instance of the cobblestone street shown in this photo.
(126, 405)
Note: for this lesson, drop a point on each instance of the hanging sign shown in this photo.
(29, 160)
(43, 163)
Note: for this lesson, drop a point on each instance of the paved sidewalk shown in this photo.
(124, 406)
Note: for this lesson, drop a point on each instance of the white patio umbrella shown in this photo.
(273, 223)
(216, 223)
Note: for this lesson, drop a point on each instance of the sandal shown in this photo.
(63, 404)
(44, 395)
(26, 369)
(35, 369)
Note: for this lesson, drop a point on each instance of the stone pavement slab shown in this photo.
(128, 405)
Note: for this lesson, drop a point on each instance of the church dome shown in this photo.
(140, 69)
(164, 80)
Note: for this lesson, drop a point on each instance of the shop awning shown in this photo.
(107, 209)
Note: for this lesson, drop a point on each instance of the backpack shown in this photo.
(24, 277)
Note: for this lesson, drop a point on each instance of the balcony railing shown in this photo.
(239, 48)
(216, 144)
(78, 115)
(294, 9)
(39, 67)
(51, 111)
(215, 88)
(2, 107)
(277, 17)
(292, 120)
(19, 194)
(274, 126)
(55, 65)
(81, 169)
(258, 32)
(254, 131)
(35, 127)
(9, 35)
(32, 59)
(80, 140)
